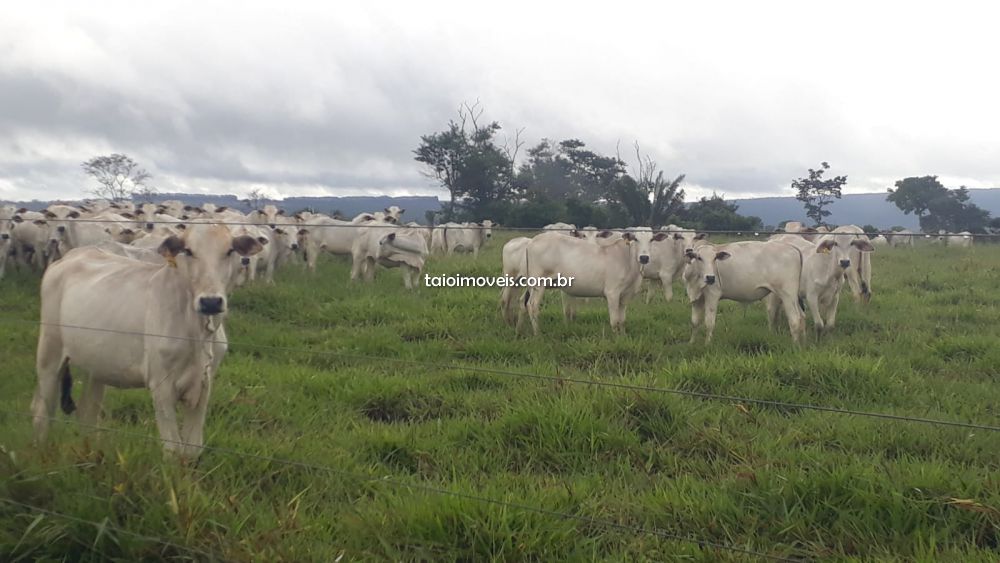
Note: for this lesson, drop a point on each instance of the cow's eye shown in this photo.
(187, 252)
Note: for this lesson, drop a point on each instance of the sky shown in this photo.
(330, 98)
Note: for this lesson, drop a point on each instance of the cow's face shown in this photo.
(394, 212)
(207, 257)
(701, 271)
(688, 240)
(285, 238)
(644, 239)
(487, 227)
(839, 255)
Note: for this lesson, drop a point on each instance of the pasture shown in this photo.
(373, 392)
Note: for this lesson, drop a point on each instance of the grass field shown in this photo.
(783, 481)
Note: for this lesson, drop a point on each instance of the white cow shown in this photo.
(961, 240)
(513, 256)
(333, 235)
(462, 237)
(859, 275)
(6, 244)
(158, 326)
(904, 237)
(30, 236)
(667, 260)
(744, 272)
(879, 240)
(391, 248)
(823, 277)
(610, 270)
(267, 216)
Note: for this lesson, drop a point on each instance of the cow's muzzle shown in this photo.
(245, 260)
(295, 247)
(710, 280)
(644, 259)
(845, 264)
(61, 229)
(211, 305)
(5, 236)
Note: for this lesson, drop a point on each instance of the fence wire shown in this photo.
(540, 377)
(663, 534)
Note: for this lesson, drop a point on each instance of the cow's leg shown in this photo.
(773, 310)
(90, 402)
(615, 311)
(668, 287)
(51, 367)
(269, 273)
(796, 322)
(831, 311)
(711, 310)
(569, 307)
(506, 300)
(817, 310)
(193, 423)
(535, 306)
(369, 270)
(697, 316)
(165, 408)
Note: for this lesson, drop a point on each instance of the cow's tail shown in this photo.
(444, 238)
(66, 389)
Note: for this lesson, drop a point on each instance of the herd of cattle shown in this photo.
(136, 295)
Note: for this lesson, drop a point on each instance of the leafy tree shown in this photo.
(816, 192)
(466, 159)
(649, 198)
(255, 198)
(567, 170)
(937, 207)
(119, 177)
(716, 214)
(870, 229)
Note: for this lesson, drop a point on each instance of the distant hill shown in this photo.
(857, 209)
(854, 209)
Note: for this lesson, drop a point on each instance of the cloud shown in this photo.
(332, 99)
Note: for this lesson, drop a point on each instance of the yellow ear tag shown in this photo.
(172, 261)
(824, 250)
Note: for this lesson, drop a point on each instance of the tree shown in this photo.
(255, 198)
(716, 214)
(567, 171)
(937, 207)
(465, 160)
(665, 198)
(119, 177)
(816, 193)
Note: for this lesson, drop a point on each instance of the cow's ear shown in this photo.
(659, 236)
(50, 215)
(23, 210)
(689, 254)
(863, 245)
(368, 218)
(701, 236)
(263, 240)
(576, 233)
(40, 222)
(221, 209)
(604, 234)
(826, 246)
(139, 211)
(128, 215)
(303, 232)
(281, 212)
(628, 236)
(17, 219)
(386, 210)
(74, 215)
(246, 245)
(392, 236)
(279, 231)
(401, 211)
(678, 236)
(722, 255)
(126, 232)
(171, 247)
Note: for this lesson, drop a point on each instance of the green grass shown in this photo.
(786, 482)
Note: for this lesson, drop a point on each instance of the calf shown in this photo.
(611, 271)
(823, 277)
(744, 272)
(158, 326)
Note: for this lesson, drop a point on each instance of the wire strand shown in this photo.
(524, 375)
(421, 487)
(101, 525)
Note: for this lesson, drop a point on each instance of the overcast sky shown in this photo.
(330, 98)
